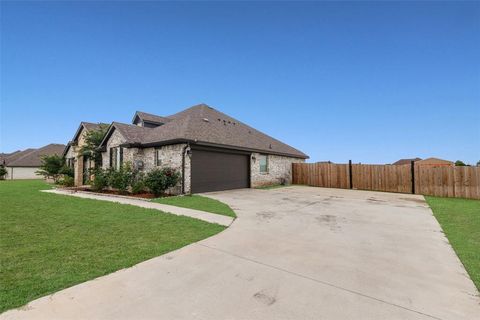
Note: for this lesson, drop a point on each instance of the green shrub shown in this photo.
(100, 180)
(66, 181)
(159, 180)
(122, 178)
(66, 171)
(138, 187)
(3, 172)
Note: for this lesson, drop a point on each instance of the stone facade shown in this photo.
(279, 167)
(73, 152)
(279, 170)
(170, 156)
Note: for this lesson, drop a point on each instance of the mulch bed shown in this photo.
(144, 195)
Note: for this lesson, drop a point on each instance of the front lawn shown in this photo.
(460, 220)
(49, 242)
(198, 203)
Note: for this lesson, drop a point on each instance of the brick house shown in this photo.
(211, 150)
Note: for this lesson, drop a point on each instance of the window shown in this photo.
(158, 159)
(116, 157)
(263, 161)
(70, 162)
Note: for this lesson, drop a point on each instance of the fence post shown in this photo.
(350, 174)
(412, 170)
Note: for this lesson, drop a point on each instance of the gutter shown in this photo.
(184, 152)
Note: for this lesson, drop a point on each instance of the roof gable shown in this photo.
(203, 124)
(33, 158)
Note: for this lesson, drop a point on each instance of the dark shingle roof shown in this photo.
(405, 161)
(4, 156)
(17, 155)
(131, 132)
(33, 158)
(204, 125)
(150, 117)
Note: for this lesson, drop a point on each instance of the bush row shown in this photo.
(126, 178)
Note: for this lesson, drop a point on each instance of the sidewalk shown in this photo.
(179, 211)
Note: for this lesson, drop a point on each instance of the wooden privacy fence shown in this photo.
(459, 182)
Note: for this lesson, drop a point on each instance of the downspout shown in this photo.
(184, 152)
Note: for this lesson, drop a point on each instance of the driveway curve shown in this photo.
(292, 253)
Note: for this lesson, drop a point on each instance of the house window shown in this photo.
(70, 162)
(263, 161)
(158, 159)
(116, 157)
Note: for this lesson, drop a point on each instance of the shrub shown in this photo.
(138, 182)
(66, 181)
(138, 187)
(100, 179)
(51, 167)
(3, 172)
(159, 180)
(460, 163)
(66, 171)
(121, 179)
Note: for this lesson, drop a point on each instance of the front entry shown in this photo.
(218, 170)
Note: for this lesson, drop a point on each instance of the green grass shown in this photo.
(198, 203)
(49, 242)
(460, 220)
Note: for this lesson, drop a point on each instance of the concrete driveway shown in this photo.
(293, 253)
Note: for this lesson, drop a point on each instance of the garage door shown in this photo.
(215, 171)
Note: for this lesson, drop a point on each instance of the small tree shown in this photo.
(93, 138)
(478, 163)
(3, 172)
(460, 163)
(51, 167)
(159, 180)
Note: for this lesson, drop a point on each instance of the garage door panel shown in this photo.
(215, 171)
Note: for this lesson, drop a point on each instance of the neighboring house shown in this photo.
(435, 162)
(402, 162)
(211, 150)
(24, 164)
(80, 164)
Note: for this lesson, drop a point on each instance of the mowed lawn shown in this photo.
(50, 242)
(460, 220)
(198, 203)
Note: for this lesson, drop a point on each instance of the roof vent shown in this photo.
(206, 120)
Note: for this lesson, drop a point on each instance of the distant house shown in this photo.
(24, 164)
(401, 162)
(435, 162)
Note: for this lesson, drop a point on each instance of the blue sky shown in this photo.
(367, 81)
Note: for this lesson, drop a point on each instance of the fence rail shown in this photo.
(459, 182)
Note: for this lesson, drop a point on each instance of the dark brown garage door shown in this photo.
(215, 171)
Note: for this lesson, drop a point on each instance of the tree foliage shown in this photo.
(460, 163)
(93, 138)
(3, 172)
(51, 167)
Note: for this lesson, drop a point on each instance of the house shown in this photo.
(73, 157)
(402, 162)
(210, 149)
(435, 162)
(24, 164)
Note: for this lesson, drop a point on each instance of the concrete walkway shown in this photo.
(179, 211)
(292, 253)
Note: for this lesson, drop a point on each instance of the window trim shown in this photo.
(158, 162)
(266, 164)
